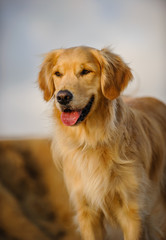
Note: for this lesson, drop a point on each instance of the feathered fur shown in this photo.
(114, 161)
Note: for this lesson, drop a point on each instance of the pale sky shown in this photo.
(135, 29)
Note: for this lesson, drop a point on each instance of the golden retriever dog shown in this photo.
(112, 150)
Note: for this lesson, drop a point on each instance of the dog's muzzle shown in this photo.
(70, 116)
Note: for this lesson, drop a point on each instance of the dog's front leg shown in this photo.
(131, 224)
(90, 223)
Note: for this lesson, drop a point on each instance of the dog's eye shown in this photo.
(85, 72)
(58, 74)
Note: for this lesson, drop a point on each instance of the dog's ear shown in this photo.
(115, 74)
(45, 77)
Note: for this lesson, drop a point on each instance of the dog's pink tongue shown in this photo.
(70, 118)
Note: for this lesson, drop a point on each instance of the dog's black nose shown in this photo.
(64, 97)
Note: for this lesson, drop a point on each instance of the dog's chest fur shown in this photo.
(85, 173)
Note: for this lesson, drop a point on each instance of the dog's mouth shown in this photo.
(73, 117)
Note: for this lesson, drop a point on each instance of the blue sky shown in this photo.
(135, 29)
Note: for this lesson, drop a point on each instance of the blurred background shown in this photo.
(135, 29)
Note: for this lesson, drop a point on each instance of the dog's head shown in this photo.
(78, 77)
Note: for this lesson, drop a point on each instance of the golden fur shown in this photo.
(114, 160)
